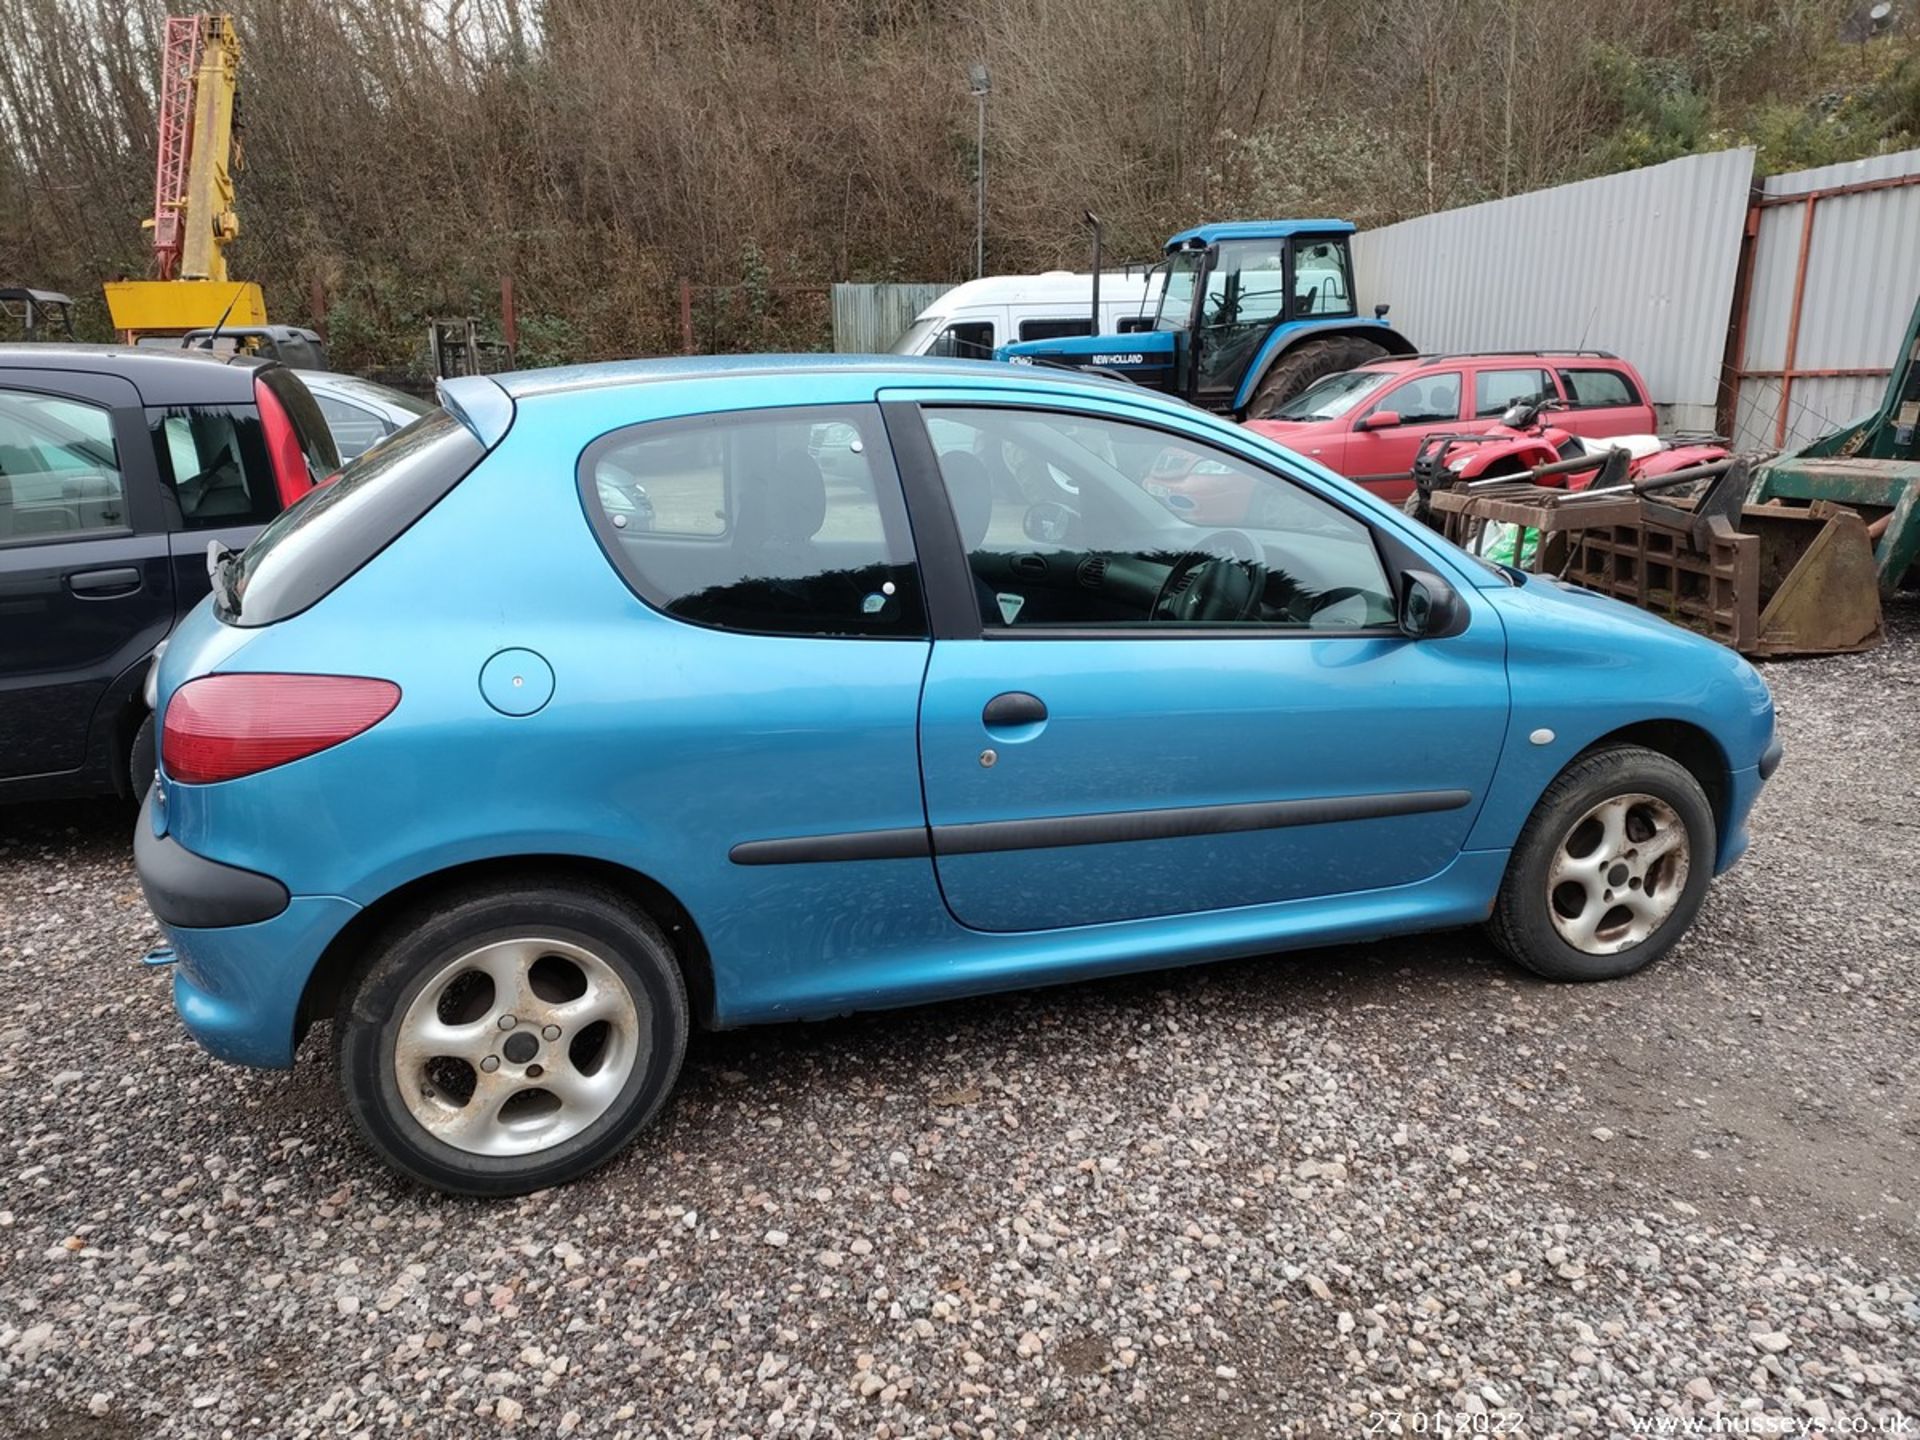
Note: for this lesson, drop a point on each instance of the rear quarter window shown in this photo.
(770, 522)
(313, 546)
(1591, 389)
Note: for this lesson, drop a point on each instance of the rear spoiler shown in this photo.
(479, 404)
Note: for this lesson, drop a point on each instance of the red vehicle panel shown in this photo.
(1369, 423)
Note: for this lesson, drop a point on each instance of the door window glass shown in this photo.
(1587, 389)
(783, 522)
(966, 340)
(59, 469)
(1246, 293)
(1496, 390)
(1077, 521)
(1054, 329)
(214, 460)
(1425, 400)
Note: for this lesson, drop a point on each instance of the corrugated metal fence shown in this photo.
(1834, 261)
(867, 319)
(1770, 314)
(1641, 263)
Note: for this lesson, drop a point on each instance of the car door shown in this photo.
(1102, 737)
(1381, 457)
(218, 482)
(86, 590)
(1496, 388)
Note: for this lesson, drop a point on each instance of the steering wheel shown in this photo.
(1209, 585)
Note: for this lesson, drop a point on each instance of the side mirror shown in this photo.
(1379, 420)
(1429, 607)
(1049, 523)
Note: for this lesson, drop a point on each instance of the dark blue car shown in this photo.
(909, 689)
(117, 467)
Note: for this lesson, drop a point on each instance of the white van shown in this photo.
(973, 319)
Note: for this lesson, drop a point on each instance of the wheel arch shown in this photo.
(338, 961)
(1290, 338)
(1687, 745)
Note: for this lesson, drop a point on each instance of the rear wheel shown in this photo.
(1305, 363)
(498, 1043)
(1610, 870)
(140, 760)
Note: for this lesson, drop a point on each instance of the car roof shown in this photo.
(1396, 364)
(1055, 287)
(346, 384)
(1256, 230)
(898, 369)
(163, 377)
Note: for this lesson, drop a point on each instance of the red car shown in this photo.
(1368, 424)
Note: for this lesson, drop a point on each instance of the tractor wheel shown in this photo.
(1305, 363)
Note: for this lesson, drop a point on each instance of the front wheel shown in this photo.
(1610, 870)
(501, 1042)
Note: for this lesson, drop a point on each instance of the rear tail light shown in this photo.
(292, 477)
(221, 727)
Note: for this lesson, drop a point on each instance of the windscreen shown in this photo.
(914, 342)
(1332, 397)
(1176, 301)
(315, 545)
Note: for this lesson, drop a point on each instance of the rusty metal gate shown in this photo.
(1829, 268)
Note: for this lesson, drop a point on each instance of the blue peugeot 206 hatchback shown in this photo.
(908, 688)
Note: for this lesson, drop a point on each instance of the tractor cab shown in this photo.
(1250, 313)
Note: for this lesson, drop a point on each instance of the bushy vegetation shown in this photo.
(405, 154)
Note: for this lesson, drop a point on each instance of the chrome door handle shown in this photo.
(104, 584)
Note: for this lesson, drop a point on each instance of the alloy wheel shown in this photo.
(517, 1046)
(1618, 874)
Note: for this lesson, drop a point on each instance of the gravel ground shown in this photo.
(1355, 1191)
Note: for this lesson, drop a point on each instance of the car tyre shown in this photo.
(1305, 363)
(1610, 869)
(141, 763)
(497, 1042)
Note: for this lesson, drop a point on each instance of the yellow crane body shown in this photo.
(193, 218)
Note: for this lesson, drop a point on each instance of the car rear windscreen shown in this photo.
(315, 545)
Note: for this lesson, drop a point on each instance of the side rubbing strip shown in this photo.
(902, 844)
(990, 835)
(986, 837)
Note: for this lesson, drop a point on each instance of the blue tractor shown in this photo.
(1251, 313)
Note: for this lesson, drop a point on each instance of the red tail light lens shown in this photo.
(291, 476)
(221, 727)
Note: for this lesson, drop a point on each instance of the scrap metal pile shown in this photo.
(1782, 555)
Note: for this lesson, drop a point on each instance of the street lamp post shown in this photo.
(978, 84)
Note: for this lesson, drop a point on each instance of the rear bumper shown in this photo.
(238, 987)
(183, 888)
(243, 947)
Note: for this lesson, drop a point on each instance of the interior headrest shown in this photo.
(971, 490)
(785, 504)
